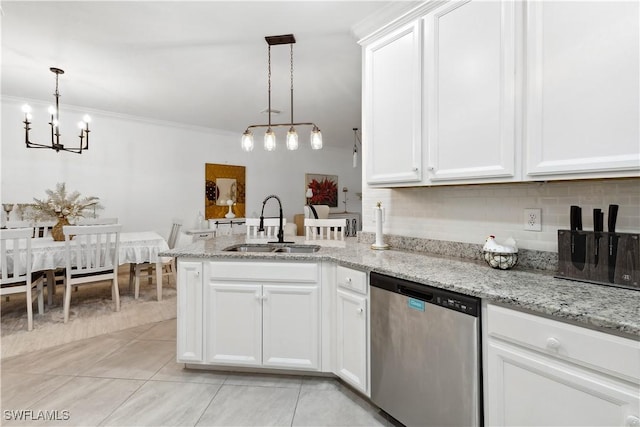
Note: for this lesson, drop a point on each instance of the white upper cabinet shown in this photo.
(469, 76)
(582, 91)
(511, 91)
(392, 107)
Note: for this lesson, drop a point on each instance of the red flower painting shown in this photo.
(325, 189)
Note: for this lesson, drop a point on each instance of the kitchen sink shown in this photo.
(274, 247)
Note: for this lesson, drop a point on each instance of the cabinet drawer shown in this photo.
(355, 280)
(265, 271)
(617, 355)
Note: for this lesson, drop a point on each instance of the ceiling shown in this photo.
(201, 63)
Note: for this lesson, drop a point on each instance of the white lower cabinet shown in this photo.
(352, 332)
(189, 311)
(272, 321)
(290, 327)
(543, 372)
(234, 324)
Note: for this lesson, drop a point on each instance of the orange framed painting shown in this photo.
(224, 187)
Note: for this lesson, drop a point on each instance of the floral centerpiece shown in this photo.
(62, 206)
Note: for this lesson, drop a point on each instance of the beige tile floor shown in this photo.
(130, 378)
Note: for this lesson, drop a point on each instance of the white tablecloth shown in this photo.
(135, 247)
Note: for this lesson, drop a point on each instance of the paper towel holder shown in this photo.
(379, 217)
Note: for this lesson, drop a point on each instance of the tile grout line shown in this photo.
(210, 401)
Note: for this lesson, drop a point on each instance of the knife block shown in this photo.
(624, 270)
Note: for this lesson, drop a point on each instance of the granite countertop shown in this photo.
(606, 308)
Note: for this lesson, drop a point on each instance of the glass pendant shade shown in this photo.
(247, 141)
(355, 158)
(316, 138)
(270, 140)
(292, 139)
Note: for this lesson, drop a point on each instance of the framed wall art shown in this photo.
(224, 187)
(324, 187)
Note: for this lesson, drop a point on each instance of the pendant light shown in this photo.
(356, 140)
(54, 122)
(270, 142)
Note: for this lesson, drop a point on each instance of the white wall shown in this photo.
(146, 173)
(469, 213)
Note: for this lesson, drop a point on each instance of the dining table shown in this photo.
(136, 247)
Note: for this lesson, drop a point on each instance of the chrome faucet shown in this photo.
(281, 228)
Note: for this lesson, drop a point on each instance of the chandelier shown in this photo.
(55, 125)
(292, 134)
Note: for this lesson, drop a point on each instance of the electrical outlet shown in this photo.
(533, 219)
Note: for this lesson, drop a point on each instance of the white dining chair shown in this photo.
(168, 263)
(91, 256)
(321, 210)
(324, 229)
(41, 229)
(271, 227)
(16, 275)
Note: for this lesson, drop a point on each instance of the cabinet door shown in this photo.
(233, 327)
(582, 89)
(470, 91)
(528, 389)
(291, 326)
(392, 107)
(352, 342)
(189, 312)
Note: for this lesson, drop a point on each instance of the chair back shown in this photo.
(38, 229)
(324, 229)
(92, 250)
(321, 210)
(271, 227)
(175, 232)
(43, 228)
(15, 256)
(96, 221)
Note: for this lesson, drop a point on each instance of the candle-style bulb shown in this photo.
(26, 108)
(52, 110)
(86, 118)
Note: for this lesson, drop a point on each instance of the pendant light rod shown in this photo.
(269, 86)
(291, 61)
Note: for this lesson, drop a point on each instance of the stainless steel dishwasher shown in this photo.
(425, 353)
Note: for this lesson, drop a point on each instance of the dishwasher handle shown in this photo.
(413, 293)
(443, 297)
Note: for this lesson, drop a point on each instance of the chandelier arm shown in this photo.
(279, 125)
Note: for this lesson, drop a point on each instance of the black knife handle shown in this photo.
(613, 217)
(574, 217)
(598, 220)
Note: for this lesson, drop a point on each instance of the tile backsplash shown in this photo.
(469, 213)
